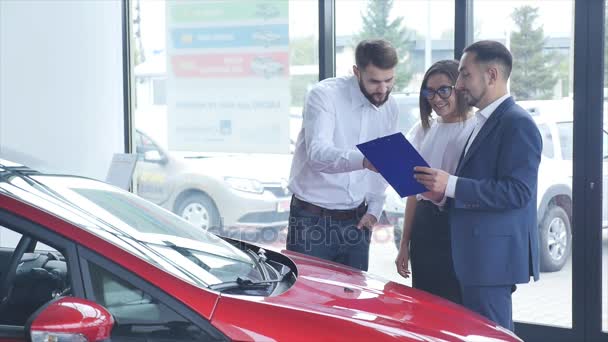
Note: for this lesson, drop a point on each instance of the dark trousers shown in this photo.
(493, 302)
(328, 238)
(431, 253)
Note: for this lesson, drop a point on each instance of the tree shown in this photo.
(534, 73)
(376, 24)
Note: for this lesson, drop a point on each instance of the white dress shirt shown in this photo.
(442, 143)
(327, 168)
(482, 116)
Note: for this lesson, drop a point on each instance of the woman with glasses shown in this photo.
(440, 139)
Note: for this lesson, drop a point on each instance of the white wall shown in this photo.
(61, 93)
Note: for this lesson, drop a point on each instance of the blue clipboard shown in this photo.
(395, 157)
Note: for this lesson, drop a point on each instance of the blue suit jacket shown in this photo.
(493, 213)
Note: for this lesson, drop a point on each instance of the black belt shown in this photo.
(337, 214)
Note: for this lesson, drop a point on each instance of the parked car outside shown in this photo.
(116, 267)
(215, 191)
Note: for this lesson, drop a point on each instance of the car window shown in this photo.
(409, 111)
(39, 275)
(138, 315)
(545, 133)
(565, 130)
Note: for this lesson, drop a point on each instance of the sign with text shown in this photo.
(228, 76)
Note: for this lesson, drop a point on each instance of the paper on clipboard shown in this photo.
(395, 158)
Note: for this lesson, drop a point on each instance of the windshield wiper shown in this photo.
(186, 253)
(244, 284)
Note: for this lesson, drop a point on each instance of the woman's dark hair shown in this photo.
(449, 68)
(378, 52)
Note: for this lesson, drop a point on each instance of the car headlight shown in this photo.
(245, 184)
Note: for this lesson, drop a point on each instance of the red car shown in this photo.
(85, 261)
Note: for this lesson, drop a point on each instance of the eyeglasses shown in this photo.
(444, 92)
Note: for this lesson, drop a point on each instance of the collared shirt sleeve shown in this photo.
(375, 201)
(450, 189)
(319, 121)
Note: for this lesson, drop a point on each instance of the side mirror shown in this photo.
(71, 319)
(153, 156)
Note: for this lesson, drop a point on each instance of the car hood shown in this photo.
(350, 298)
(262, 167)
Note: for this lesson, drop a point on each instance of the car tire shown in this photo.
(199, 210)
(555, 233)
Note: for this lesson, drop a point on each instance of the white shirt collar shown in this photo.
(489, 109)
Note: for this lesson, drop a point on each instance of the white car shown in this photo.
(242, 191)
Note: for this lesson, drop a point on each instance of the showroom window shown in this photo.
(218, 91)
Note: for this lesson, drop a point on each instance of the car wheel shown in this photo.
(200, 211)
(555, 239)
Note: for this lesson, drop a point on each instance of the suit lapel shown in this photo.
(487, 128)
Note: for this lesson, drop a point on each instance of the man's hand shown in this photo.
(433, 179)
(368, 165)
(367, 221)
(402, 262)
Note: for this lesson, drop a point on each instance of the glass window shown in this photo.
(548, 148)
(539, 35)
(138, 315)
(219, 89)
(565, 139)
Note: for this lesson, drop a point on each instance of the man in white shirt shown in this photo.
(338, 194)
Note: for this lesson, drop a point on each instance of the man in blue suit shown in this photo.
(491, 198)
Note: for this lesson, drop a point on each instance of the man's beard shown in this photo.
(370, 97)
(472, 100)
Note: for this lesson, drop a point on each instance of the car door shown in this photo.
(152, 176)
(142, 312)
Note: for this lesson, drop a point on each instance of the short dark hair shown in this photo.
(378, 52)
(492, 51)
(449, 68)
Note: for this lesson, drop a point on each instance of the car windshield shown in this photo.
(151, 232)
